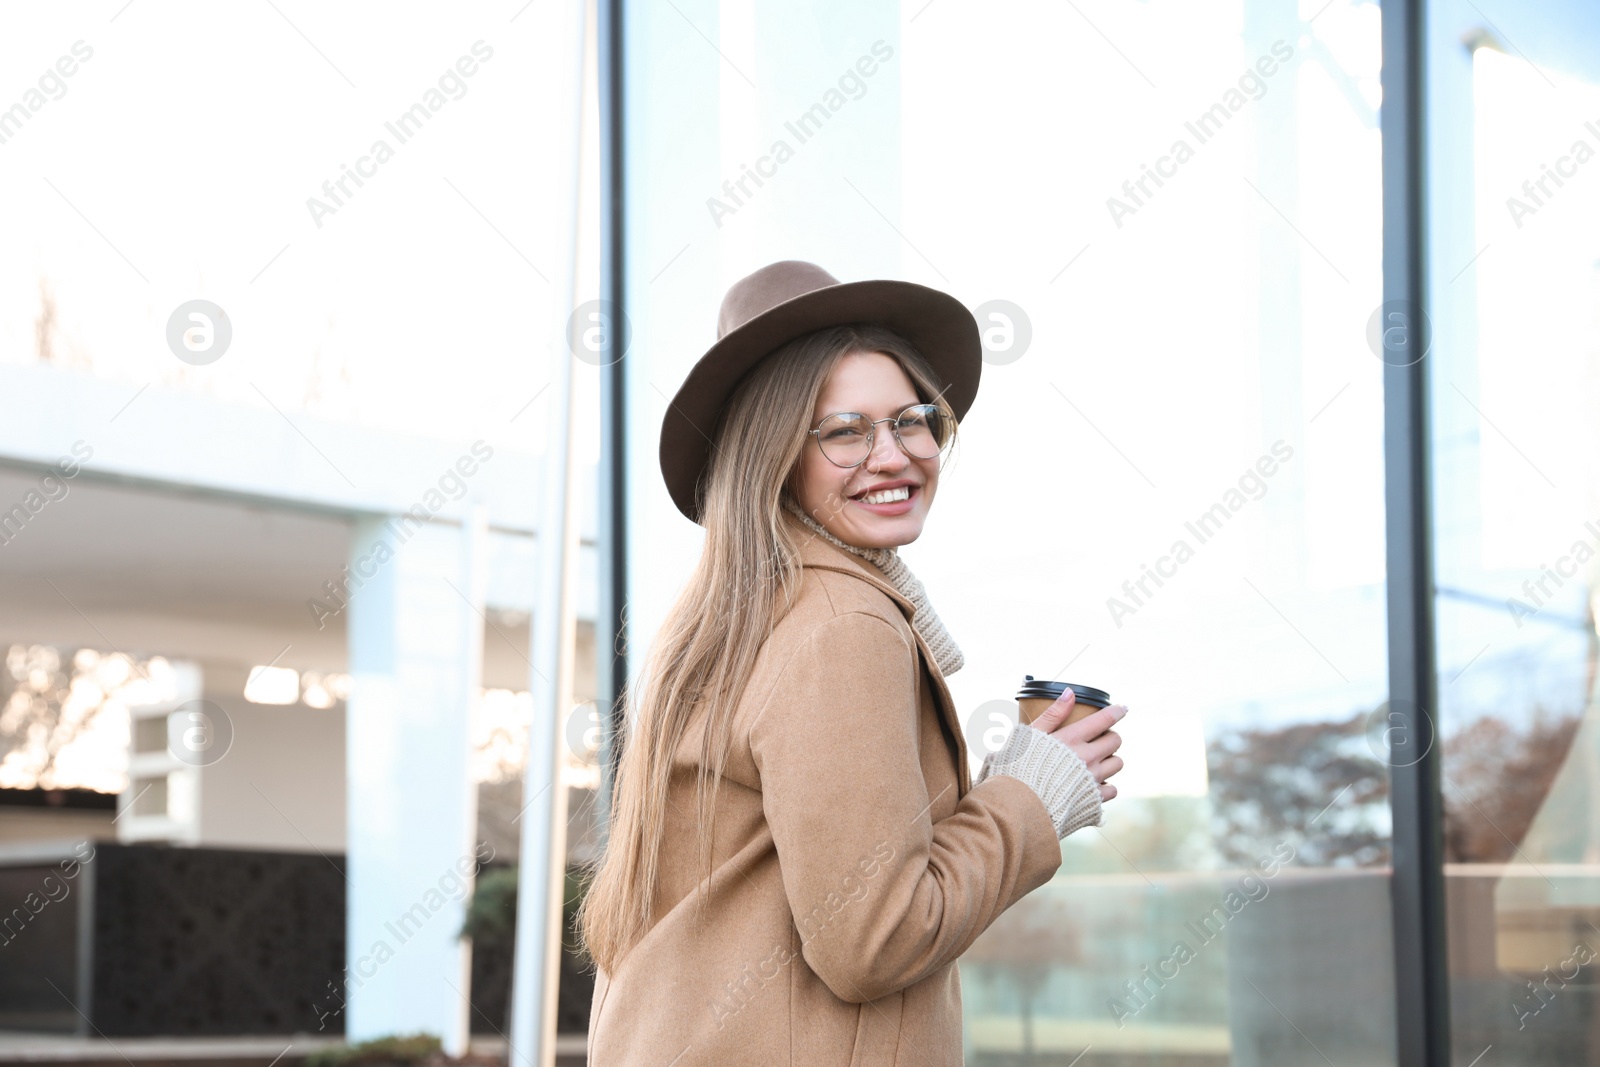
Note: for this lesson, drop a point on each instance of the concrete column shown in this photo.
(416, 655)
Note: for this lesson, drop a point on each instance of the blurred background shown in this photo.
(296, 304)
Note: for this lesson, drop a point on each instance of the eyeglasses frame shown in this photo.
(872, 431)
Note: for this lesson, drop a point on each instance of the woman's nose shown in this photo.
(886, 453)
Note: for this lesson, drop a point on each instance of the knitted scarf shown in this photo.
(926, 621)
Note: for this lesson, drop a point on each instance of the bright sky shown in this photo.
(1538, 283)
(1165, 359)
(176, 163)
(1167, 355)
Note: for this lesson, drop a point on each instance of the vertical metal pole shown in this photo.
(1421, 976)
(542, 860)
(474, 584)
(611, 626)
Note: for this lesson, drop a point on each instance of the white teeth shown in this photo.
(888, 496)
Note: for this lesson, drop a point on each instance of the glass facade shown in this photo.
(1166, 218)
(1516, 443)
(1169, 220)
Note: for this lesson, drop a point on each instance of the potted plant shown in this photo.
(491, 923)
(392, 1051)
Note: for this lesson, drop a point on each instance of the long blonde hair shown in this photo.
(746, 580)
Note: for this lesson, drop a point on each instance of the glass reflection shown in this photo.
(1518, 532)
(1192, 521)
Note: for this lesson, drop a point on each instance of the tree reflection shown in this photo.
(1318, 783)
(1498, 780)
(1315, 783)
(1023, 945)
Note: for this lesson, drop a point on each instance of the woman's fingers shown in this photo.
(1100, 747)
(1092, 752)
(1091, 726)
(1091, 738)
(1056, 714)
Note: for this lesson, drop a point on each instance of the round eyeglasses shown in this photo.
(845, 438)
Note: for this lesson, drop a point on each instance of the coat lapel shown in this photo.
(815, 552)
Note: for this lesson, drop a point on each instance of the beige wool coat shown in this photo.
(853, 859)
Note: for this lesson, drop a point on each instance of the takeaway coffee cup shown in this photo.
(1036, 695)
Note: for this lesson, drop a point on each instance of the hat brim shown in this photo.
(936, 324)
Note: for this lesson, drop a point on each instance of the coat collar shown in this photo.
(817, 552)
(824, 555)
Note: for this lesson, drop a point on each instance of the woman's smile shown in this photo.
(888, 498)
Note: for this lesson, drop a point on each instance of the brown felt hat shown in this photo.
(785, 300)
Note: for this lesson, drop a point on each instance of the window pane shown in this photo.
(1166, 218)
(1516, 383)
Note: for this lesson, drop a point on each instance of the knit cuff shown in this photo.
(1052, 770)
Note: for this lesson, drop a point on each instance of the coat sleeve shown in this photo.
(881, 895)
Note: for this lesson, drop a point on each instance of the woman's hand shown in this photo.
(1091, 737)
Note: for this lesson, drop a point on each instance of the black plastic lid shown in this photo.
(1038, 689)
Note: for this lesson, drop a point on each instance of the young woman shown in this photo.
(797, 855)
